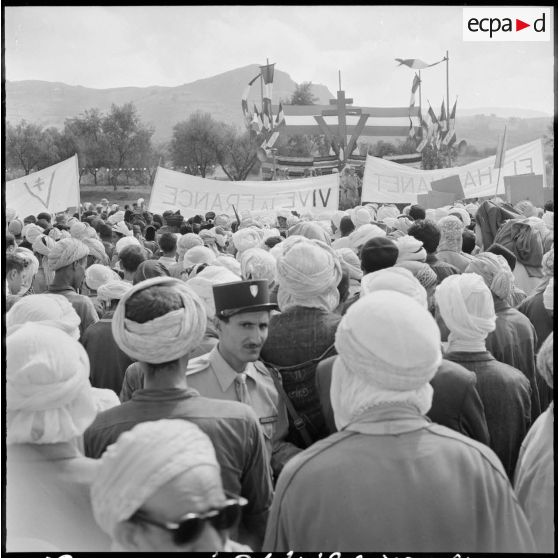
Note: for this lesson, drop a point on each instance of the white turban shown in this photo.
(185, 242)
(548, 295)
(202, 285)
(31, 269)
(495, 271)
(55, 234)
(471, 209)
(372, 208)
(43, 245)
(394, 279)
(166, 337)
(229, 262)
(548, 219)
(246, 238)
(122, 229)
(363, 234)
(410, 249)
(114, 289)
(66, 252)
(352, 262)
(79, 230)
(466, 306)
(198, 255)
(256, 263)
(97, 275)
(126, 241)
(308, 272)
(48, 309)
(48, 394)
(116, 217)
(440, 213)
(391, 222)
(545, 360)
(337, 216)
(32, 233)
(143, 460)
(362, 217)
(268, 233)
(430, 214)
(285, 213)
(462, 214)
(64, 234)
(96, 249)
(392, 365)
(387, 211)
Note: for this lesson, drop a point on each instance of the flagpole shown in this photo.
(420, 94)
(78, 187)
(447, 102)
(270, 108)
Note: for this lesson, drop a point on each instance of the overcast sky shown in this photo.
(104, 47)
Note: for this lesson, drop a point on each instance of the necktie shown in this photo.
(242, 389)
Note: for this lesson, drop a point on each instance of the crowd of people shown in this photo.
(377, 379)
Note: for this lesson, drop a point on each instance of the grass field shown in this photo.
(122, 196)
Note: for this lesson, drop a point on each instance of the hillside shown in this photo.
(49, 104)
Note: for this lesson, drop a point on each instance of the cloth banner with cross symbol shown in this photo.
(52, 189)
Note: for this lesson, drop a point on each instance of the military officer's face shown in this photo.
(243, 336)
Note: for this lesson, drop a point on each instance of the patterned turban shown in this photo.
(495, 271)
(66, 252)
(424, 274)
(451, 233)
(166, 337)
(48, 394)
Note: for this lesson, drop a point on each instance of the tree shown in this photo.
(194, 143)
(237, 153)
(303, 95)
(86, 134)
(127, 138)
(27, 146)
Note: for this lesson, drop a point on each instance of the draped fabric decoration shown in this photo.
(416, 63)
(267, 77)
(450, 137)
(245, 110)
(415, 86)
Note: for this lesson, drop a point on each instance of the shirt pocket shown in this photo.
(269, 426)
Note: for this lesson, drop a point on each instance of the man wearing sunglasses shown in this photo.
(158, 489)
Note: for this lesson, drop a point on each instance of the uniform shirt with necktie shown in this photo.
(213, 377)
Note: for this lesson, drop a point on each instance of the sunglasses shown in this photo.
(191, 525)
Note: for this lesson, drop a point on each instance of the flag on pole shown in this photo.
(244, 102)
(443, 120)
(501, 151)
(267, 76)
(433, 128)
(417, 64)
(280, 119)
(424, 140)
(412, 132)
(450, 137)
(414, 87)
(53, 189)
(256, 123)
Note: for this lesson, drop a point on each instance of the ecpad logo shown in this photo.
(507, 24)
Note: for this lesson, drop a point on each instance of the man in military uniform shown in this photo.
(232, 371)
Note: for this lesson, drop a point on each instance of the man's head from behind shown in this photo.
(167, 243)
(158, 321)
(68, 259)
(428, 233)
(159, 488)
(14, 270)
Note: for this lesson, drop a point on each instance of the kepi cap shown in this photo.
(241, 296)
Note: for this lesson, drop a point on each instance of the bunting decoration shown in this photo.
(267, 76)
(245, 110)
(415, 86)
(417, 64)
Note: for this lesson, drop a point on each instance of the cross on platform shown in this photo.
(39, 182)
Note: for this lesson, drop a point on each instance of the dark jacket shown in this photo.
(506, 396)
(513, 342)
(456, 402)
(298, 339)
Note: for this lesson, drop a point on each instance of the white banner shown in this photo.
(388, 182)
(196, 196)
(53, 189)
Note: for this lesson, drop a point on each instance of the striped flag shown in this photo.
(450, 137)
(411, 129)
(414, 87)
(417, 64)
(256, 123)
(267, 76)
(501, 151)
(280, 118)
(433, 128)
(245, 109)
(425, 128)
